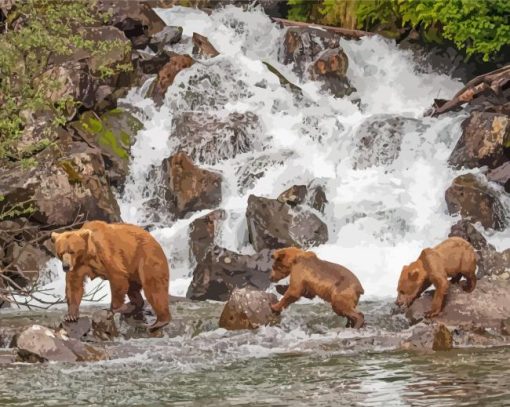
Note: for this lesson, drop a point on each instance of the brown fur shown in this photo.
(454, 258)
(125, 255)
(310, 276)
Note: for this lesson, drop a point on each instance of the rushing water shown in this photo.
(378, 218)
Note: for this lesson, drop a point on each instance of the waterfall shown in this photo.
(379, 216)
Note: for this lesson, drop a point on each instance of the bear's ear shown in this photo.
(54, 236)
(414, 274)
(85, 233)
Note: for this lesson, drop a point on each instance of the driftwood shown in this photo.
(344, 32)
(493, 81)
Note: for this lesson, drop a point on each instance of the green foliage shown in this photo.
(476, 26)
(37, 32)
(14, 211)
(301, 10)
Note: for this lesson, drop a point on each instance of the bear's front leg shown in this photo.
(441, 284)
(119, 287)
(291, 295)
(75, 281)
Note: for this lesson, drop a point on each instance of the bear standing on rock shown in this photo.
(311, 276)
(454, 258)
(125, 255)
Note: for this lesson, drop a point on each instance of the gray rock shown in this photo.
(167, 36)
(434, 337)
(202, 233)
(40, 344)
(248, 308)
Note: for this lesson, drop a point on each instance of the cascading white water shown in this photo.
(379, 217)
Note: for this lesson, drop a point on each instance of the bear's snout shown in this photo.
(66, 267)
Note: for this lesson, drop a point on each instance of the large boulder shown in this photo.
(61, 184)
(40, 344)
(209, 138)
(273, 224)
(485, 140)
(487, 306)
(248, 308)
(189, 188)
(379, 139)
(202, 233)
(302, 45)
(114, 132)
(167, 74)
(433, 337)
(223, 270)
(167, 36)
(475, 202)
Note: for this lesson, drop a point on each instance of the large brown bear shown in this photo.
(310, 276)
(125, 255)
(454, 258)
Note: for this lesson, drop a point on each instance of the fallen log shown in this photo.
(493, 81)
(344, 32)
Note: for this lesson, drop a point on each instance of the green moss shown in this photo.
(107, 139)
(73, 175)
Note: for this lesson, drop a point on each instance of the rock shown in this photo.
(272, 225)
(203, 232)
(78, 329)
(434, 337)
(39, 344)
(167, 75)
(209, 138)
(467, 231)
(486, 306)
(302, 45)
(151, 64)
(330, 67)
(85, 352)
(63, 183)
(505, 327)
(475, 202)
(70, 80)
(202, 47)
(284, 82)
(501, 175)
(167, 36)
(223, 270)
(492, 262)
(114, 132)
(485, 136)
(127, 15)
(189, 188)
(104, 326)
(248, 309)
(311, 195)
(379, 139)
(29, 258)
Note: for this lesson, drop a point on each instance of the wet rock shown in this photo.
(330, 67)
(312, 195)
(62, 183)
(132, 17)
(302, 45)
(114, 132)
(202, 47)
(468, 232)
(484, 141)
(104, 326)
(85, 352)
(203, 232)
(223, 270)
(248, 309)
(167, 36)
(475, 202)
(493, 263)
(253, 168)
(208, 138)
(486, 306)
(379, 139)
(501, 175)
(272, 225)
(296, 90)
(151, 64)
(78, 329)
(505, 327)
(189, 188)
(167, 75)
(29, 259)
(39, 344)
(434, 337)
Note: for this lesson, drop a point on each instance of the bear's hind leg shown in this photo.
(136, 301)
(345, 307)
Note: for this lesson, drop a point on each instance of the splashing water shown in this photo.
(379, 216)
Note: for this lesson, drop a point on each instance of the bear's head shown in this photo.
(72, 247)
(411, 283)
(283, 259)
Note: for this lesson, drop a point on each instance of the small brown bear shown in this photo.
(125, 255)
(310, 277)
(454, 258)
